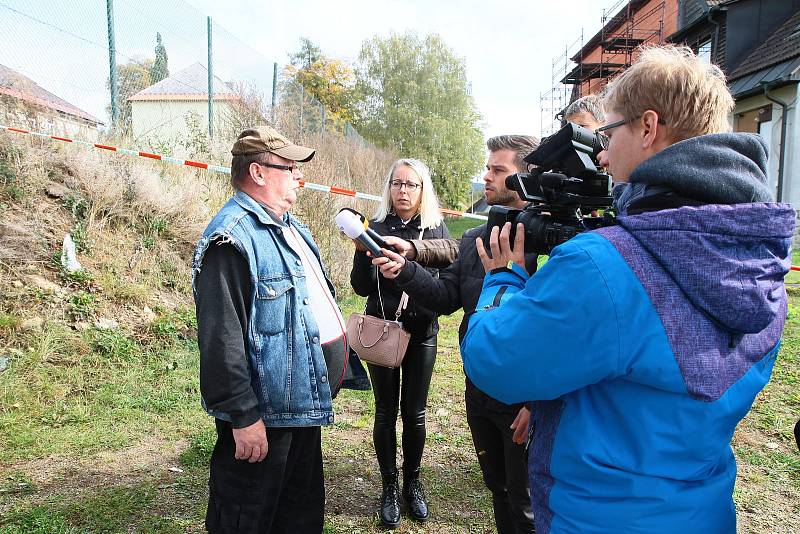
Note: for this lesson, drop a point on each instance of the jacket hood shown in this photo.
(730, 255)
(729, 168)
(729, 260)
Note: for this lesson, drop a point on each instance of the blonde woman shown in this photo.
(409, 210)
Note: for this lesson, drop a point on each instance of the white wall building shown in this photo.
(165, 111)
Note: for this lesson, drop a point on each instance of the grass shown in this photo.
(101, 430)
(112, 411)
(78, 393)
(458, 225)
(794, 276)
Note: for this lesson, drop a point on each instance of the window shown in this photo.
(759, 121)
(751, 121)
(704, 51)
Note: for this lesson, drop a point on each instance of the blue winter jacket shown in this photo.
(643, 345)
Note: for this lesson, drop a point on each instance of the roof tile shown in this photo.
(782, 45)
(19, 86)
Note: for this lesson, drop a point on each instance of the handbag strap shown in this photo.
(403, 298)
(361, 331)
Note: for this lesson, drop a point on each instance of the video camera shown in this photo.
(565, 187)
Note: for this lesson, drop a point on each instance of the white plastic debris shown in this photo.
(68, 258)
(106, 324)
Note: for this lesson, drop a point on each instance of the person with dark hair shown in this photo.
(272, 346)
(644, 343)
(499, 430)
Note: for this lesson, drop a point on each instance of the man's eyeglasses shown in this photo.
(604, 139)
(410, 186)
(290, 168)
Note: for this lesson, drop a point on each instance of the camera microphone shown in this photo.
(354, 226)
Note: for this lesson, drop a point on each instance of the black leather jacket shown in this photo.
(457, 286)
(418, 319)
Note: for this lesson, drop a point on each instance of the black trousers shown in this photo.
(284, 493)
(503, 462)
(405, 390)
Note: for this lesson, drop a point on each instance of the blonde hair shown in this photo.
(688, 93)
(430, 215)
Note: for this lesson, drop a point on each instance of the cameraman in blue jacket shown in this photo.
(644, 344)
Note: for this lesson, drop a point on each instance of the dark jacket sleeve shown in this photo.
(441, 295)
(223, 291)
(362, 276)
(437, 253)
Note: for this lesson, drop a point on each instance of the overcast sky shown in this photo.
(508, 46)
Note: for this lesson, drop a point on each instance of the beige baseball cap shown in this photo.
(268, 139)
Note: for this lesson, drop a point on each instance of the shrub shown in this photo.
(82, 305)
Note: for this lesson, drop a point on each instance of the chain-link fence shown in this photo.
(55, 66)
(182, 84)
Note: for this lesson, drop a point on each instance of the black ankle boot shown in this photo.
(414, 495)
(390, 500)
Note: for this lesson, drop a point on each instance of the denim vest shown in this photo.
(287, 366)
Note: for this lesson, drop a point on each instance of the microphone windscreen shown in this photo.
(349, 224)
(361, 218)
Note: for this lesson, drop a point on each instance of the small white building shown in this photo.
(24, 104)
(164, 111)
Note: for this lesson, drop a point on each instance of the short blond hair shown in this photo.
(429, 211)
(688, 93)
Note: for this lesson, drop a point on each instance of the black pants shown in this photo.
(409, 396)
(355, 376)
(503, 462)
(284, 493)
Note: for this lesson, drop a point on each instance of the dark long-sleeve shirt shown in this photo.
(223, 306)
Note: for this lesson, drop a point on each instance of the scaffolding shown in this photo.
(559, 95)
(626, 25)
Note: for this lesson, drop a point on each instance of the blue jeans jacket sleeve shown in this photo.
(558, 333)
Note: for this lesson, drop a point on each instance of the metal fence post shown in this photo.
(302, 98)
(274, 88)
(112, 65)
(210, 86)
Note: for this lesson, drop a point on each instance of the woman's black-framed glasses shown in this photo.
(604, 139)
(410, 186)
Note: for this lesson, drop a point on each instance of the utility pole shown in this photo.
(112, 65)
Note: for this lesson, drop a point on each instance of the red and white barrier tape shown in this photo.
(224, 170)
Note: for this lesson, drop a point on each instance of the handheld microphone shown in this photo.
(353, 227)
(379, 240)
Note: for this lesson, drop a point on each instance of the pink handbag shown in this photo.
(379, 341)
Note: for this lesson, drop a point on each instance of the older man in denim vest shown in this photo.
(272, 346)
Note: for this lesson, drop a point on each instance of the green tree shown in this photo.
(306, 55)
(413, 96)
(132, 77)
(160, 68)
